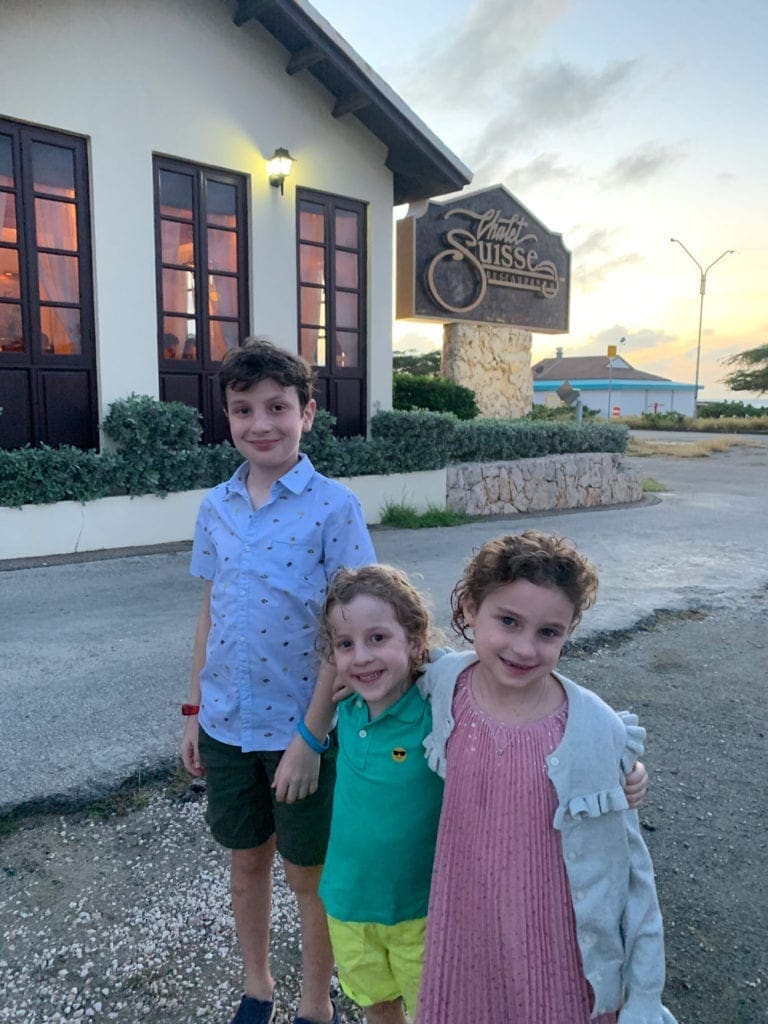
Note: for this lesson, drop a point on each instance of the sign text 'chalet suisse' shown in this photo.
(483, 258)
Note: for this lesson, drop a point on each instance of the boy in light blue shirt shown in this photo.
(267, 541)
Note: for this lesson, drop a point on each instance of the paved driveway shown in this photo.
(94, 655)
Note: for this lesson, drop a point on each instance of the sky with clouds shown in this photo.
(619, 125)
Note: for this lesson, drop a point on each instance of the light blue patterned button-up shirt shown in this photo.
(270, 570)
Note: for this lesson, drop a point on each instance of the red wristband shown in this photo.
(189, 709)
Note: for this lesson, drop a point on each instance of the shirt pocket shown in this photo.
(299, 571)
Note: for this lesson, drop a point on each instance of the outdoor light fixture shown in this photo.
(702, 290)
(279, 167)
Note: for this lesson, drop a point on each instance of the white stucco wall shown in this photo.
(69, 527)
(178, 78)
(630, 402)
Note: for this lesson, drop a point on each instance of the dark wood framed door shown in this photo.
(201, 241)
(332, 300)
(47, 337)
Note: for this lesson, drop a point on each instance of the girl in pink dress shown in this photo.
(543, 907)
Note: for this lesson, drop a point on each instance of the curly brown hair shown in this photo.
(390, 585)
(541, 558)
(258, 359)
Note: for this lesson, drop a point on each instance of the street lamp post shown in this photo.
(702, 290)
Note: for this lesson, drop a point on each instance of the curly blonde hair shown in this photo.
(389, 585)
(541, 558)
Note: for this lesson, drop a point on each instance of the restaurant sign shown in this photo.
(483, 258)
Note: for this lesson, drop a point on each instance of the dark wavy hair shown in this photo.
(258, 359)
(541, 558)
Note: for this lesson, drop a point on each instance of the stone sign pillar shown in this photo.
(494, 361)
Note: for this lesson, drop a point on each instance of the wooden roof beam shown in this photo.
(304, 58)
(350, 103)
(247, 9)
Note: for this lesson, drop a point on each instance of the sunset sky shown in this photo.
(619, 125)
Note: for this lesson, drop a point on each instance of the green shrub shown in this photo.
(728, 409)
(219, 462)
(43, 475)
(663, 420)
(416, 440)
(503, 440)
(143, 422)
(434, 393)
(320, 443)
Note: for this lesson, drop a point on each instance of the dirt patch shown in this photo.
(124, 917)
(687, 449)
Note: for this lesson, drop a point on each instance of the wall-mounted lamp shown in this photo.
(279, 167)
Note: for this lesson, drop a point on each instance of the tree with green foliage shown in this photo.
(420, 364)
(752, 372)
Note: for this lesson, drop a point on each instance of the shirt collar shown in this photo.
(407, 709)
(295, 480)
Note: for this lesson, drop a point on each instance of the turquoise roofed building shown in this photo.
(610, 385)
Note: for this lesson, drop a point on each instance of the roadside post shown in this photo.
(571, 397)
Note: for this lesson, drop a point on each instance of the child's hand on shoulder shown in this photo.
(340, 691)
(636, 786)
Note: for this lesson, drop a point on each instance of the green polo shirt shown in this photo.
(386, 808)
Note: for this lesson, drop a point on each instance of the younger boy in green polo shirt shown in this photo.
(375, 883)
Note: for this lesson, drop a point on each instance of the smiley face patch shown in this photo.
(399, 753)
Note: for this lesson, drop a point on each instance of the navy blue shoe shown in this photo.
(254, 1011)
(305, 1020)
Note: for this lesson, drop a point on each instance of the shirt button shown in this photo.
(571, 855)
(554, 761)
(579, 895)
(362, 734)
(247, 547)
(359, 702)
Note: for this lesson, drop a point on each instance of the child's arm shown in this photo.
(188, 748)
(299, 768)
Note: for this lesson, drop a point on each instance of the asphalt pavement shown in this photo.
(95, 653)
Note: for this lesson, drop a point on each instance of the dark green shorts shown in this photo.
(242, 810)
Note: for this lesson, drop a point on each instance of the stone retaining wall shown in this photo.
(537, 485)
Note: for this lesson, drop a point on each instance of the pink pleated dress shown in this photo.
(501, 936)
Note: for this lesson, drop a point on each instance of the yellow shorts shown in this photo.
(379, 962)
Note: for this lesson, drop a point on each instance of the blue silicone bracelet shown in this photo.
(311, 741)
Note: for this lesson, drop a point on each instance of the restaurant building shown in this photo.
(142, 234)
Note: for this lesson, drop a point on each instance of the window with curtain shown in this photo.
(201, 263)
(332, 301)
(47, 379)
(41, 189)
(331, 279)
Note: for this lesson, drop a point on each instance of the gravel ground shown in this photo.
(124, 916)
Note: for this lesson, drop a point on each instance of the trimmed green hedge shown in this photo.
(401, 442)
(434, 393)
